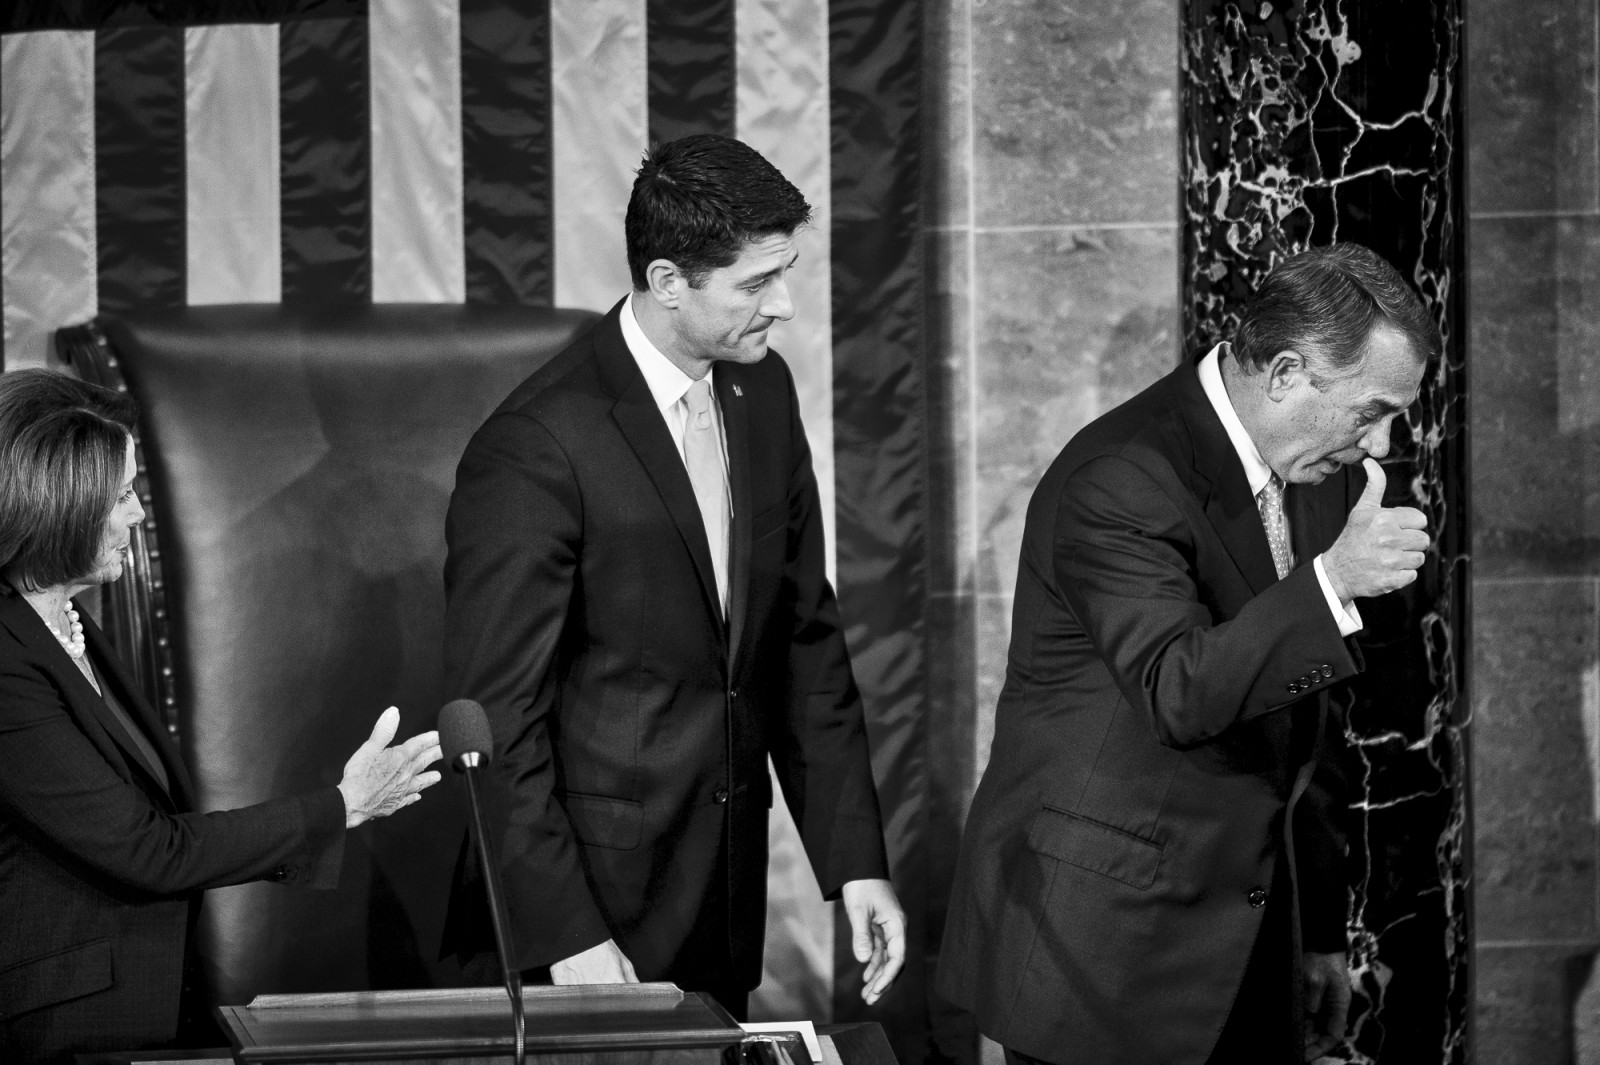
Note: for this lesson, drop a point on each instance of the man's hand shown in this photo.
(878, 933)
(1327, 1001)
(1379, 549)
(603, 963)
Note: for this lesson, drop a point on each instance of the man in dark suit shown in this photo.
(1151, 870)
(636, 595)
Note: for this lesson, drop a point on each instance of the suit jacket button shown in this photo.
(719, 796)
(1294, 689)
(1257, 897)
(1327, 672)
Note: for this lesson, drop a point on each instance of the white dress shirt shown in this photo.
(667, 384)
(1257, 472)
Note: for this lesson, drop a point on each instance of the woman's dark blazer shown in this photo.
(101, 868)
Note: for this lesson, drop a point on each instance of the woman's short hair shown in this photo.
(63, 446)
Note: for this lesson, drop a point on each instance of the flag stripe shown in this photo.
(326, 160)
(881, 454)
(505, 135)
(231, 132)
(47, 223)
(139, 168)
(782, 112)
(104, 14)
(691, 68)
(416, 152)
(600, 130)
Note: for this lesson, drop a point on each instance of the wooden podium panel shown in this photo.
(582, 1025)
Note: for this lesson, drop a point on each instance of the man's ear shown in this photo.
(665, 282)
(1285, 371)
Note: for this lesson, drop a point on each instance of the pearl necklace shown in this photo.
(73, 644)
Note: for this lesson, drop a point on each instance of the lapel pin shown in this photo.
(738, 391)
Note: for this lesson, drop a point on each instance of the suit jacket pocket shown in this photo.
(55, 978)
(1096, 847)
(604, 822)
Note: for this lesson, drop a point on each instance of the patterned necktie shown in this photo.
(1270, 502)
(702, 454)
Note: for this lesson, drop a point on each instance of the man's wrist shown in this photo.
(1344, 611)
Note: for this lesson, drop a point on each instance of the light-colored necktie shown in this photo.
(1270, 502)
(702, 454)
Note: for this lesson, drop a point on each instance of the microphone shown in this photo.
(464, 734)
(469, 748)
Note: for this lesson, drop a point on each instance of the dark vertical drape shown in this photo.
(326, 146)
(139, 168)
(506, 153)
(880, 461)
(692, 71)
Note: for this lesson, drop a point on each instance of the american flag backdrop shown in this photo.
(157, 153)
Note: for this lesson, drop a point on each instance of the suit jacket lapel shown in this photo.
(134, 703)
(1219, 477)
(636, 414)
(736, 430)
(82, 701)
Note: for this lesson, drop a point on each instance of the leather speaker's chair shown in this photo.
(288, 587)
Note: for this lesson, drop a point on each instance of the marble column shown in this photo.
(1304, 123)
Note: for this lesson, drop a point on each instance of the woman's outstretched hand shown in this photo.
(379, 779)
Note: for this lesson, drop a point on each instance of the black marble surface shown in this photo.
(1301, 124)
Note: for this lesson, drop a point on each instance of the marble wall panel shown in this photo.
(1586, 1020)
(1070, 323)
(1531, 106)
(947, 112)
(952, 544)
(1526, 1001)
(1305, 124)
(1535, 774)
(1535, 332)
(1074, 111)
(992, 643)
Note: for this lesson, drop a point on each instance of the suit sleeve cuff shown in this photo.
(1348, 618)
(324, 850)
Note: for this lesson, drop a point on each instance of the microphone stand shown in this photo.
(468, 761)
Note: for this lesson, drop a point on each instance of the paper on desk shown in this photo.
(807, 1030)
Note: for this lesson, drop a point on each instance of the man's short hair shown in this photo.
(697, 201)
(63, 449)
(1324, 304)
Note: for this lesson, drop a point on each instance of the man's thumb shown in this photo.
(1377, 481)
(861, 941)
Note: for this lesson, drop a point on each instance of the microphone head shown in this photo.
(464, 729)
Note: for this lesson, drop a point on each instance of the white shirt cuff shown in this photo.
(1347, 617)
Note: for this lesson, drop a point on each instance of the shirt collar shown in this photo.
(667, 383)
(1256, 470)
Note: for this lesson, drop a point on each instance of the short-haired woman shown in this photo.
(103, 857)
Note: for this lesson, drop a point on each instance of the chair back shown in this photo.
(297, 465)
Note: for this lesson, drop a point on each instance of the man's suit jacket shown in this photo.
(101, 868)
(1164, 696)
(631, 726)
